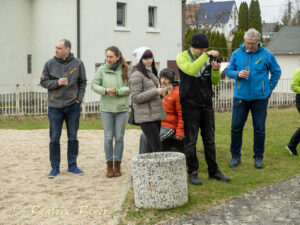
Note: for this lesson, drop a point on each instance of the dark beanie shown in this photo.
(199, 41)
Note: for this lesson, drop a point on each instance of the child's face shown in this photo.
(165, 81)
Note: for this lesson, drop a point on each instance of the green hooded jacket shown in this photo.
(108, 78)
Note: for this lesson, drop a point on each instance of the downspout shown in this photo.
(78, 28)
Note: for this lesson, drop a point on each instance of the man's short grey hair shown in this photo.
(67, 43)
(252, 34)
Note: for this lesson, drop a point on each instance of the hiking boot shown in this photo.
(194, 179)
(219, 176)
(117, 169)
(258, 163)
(75, 170)
(53, 173)
(109, 171)
(235, 162)
(292, 151)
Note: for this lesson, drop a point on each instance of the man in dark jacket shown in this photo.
(197, 74)
(64, 77)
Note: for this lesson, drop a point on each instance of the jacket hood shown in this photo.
(175, 83)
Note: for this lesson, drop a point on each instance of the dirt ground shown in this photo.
(27, 196)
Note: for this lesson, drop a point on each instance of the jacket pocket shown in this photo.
(52, 96)
(263, 87)
(74, 95)
(260, 65)
(150, 108)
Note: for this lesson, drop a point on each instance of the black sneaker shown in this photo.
(219, 176)
(194, 179)
(235, 162)
(292, 151)
(258, 163)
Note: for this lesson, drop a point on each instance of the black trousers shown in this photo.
(296, 137)
(151, 131)
(171, 144)
(203, 118)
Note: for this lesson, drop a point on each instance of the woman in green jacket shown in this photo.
(295, 86)
(111, 82)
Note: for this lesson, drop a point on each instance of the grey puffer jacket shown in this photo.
(146, 101)
(63, 96)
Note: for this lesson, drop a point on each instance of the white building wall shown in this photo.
(35, 26)
(15, 38)
(288, 64)
(52, 20)
(99, 30)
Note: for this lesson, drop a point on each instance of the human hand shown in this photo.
(162, 90)
(215, 65)
(179, 138)
(213, 53)
(110, 90)
(62, 81)
(243, 74)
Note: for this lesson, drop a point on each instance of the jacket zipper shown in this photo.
(263, 86)
(250, 63)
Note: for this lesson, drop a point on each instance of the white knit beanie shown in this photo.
(139, 52)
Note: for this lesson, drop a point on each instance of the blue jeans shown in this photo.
(114, 126)
(71, 115)
(240, 112)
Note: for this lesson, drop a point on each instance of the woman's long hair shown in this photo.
(118, 53)
(142, 68)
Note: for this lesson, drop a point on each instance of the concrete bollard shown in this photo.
(159, 180)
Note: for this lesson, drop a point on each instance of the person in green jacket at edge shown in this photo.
(199, 70)
(295, 86)
(111, 82)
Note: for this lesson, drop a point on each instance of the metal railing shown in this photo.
(30, 99)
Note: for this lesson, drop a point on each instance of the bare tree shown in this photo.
(194, 12)
(191, 15)
(291, 15)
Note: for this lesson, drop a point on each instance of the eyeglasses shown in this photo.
(251, 43)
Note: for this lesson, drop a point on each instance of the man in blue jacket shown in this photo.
(250, 66)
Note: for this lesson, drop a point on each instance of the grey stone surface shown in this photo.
(159, 180)
(277, 204)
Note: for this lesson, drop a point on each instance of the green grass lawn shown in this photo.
(279, 164)
(41, 122)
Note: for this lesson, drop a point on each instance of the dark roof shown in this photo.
(215, 12)
(286, 41)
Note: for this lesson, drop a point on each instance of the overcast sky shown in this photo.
(271, 10)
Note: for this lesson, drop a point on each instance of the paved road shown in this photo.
(277, 204)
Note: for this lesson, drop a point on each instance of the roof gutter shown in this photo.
(286, 53)
(78, 28)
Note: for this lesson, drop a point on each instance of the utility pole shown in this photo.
(183, 28)
(290, 13)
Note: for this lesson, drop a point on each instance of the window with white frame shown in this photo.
(121, 14)
(152, 16)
